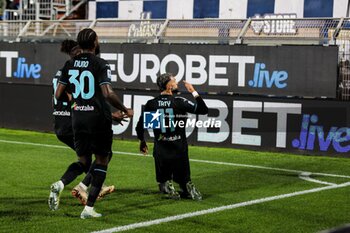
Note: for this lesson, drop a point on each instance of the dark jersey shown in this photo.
(61, 111)
(83, 75)
(170, 137)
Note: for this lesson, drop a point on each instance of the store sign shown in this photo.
(276, 24)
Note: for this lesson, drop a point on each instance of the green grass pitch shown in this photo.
(27, 170)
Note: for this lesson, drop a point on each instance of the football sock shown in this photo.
(88, 208)
(83, 186)
(87, 179)
(60, 183)
(74, 170)
(98, 177)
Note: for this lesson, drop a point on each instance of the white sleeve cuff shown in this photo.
(195, 94)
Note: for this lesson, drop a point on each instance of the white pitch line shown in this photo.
(192, 160)
(34, 144)
(267, 168)
(309, 179)
(217, 209)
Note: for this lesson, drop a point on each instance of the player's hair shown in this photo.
(86, 38)
(76, 50)
(67, 46)
(163, 79)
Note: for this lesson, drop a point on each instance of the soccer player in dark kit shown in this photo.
(88, 78)
(63, 125)
(170, 144)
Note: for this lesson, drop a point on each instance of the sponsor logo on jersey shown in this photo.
(82, 108)
(61, 113)
(169, 139)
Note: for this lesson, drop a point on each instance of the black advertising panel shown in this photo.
(320, 127)
(260, 70)
(291, 125)
(26, 107)
(51, 60)
(30, 63)
(18, 63)
(265, 70)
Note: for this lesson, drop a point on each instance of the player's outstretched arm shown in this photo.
(114, 100)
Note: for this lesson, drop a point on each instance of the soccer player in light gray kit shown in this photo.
(170, 144)
(88, 78)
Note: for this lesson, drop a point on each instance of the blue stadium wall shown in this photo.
(223, 9)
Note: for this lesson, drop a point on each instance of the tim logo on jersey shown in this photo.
(152, 120)
(23, 68)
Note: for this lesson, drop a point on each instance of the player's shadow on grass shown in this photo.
(19, 201)
(23, 216)
(16, 212)
(136, 205)
(141, 191)
(132, 199)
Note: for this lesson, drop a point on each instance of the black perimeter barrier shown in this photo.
(278, 123)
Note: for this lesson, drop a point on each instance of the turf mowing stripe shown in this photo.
(217, 209)
(192, 160)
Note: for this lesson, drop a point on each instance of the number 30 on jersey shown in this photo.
(80, 81)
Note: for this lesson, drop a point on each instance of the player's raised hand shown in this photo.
(189, 87)
(143, 148)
